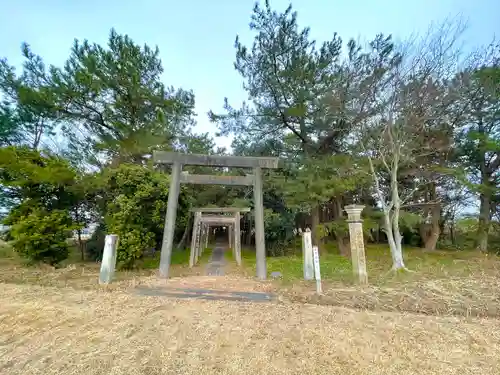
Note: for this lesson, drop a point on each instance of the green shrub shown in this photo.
(95, 245)
(131, 245)
(41, 236)
(135, 206)
(279, 234)
(5, 251)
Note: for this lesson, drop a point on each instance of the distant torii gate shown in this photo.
(206, 217)
(178, 160)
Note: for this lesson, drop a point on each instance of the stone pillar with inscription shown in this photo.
(357, 242)
(237, 238)
(198, 240)
(307, 255)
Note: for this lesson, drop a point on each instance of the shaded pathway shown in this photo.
(206, 294)
(216, 264)
(215, 267)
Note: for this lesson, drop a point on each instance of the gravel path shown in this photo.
(207, 294)
(216, 264)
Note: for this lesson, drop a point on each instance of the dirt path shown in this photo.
(64, 331)
(216, 263)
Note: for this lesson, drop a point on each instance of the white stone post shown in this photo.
(237, 238)
(357, 242)
(198, 241)
(108, 263)
(317, 271)
(307, 255)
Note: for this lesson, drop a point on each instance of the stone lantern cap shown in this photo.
(354, 212)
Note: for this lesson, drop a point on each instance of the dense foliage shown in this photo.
(402, 128)
(135, 203)
(42, 236)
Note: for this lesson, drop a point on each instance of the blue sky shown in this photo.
(196, 37)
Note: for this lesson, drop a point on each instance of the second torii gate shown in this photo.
(204, 218)
(178, 160)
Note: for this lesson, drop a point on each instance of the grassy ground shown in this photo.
(441, 282)
(336, 268)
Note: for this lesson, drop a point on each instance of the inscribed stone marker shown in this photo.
(307, 255)
(198, 242)
(317, 272)
(237, 237)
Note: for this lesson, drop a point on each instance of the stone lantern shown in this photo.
(357, 241)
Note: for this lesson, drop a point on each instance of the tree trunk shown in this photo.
(80, 244)
(397, 257)
(484, 222)
(343, 242)
(249, 231)
(316, 237)
(397, 250)
(344, 246)
(453, 238)
(396, 254)
(181, 243)
(433, 229)
(430, 232)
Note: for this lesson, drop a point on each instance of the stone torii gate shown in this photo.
(178, 160)
(204, 218)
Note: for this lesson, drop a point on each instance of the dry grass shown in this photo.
(443, 283)
(67, 324)
(46, 330)
(458, 296)
(85, 275)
